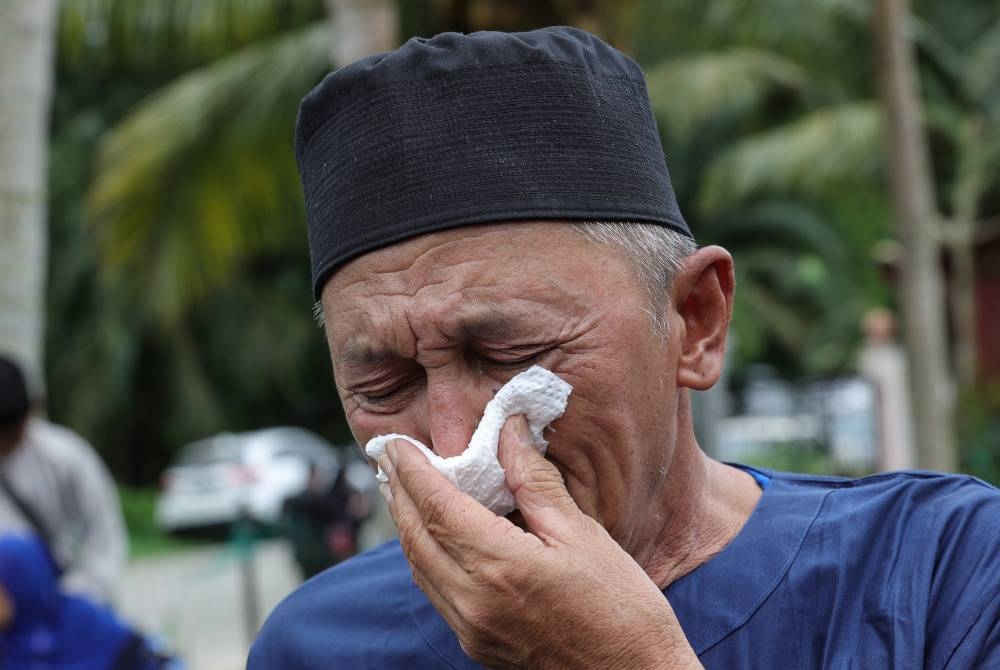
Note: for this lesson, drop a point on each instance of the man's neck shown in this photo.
(705, 505)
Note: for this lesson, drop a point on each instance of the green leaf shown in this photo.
(767, 316)
(687, 92)
(813, 157)
(784, 224)
(201, 176)
(982, 70)
(826, 35)
(169, 36)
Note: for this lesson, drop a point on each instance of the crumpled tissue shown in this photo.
(537, 393)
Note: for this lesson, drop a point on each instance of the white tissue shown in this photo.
(538, 394)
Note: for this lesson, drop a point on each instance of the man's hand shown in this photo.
(563, 595)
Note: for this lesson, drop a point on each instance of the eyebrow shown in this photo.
(363, 349)
(491, 322)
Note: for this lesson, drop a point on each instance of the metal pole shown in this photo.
(248, 577)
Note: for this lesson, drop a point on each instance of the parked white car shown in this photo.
(220, 479)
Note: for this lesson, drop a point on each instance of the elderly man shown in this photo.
(481, 204)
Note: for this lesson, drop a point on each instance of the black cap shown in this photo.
(463, 129)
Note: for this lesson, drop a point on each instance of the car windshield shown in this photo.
(220, 449)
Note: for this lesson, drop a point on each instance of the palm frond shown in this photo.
(666, 29)
(959, 27)
(940, 53)
(978, 165)
(964, 55)
(689, 91)
(810, 157)
(759, 315)
(202, 174)
(782, 224)
(156, 36)
(982, 71)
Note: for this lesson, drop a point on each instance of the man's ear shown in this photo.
(703, 298)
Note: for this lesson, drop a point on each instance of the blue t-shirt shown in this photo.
(898, 570)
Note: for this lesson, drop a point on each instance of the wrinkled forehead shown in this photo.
(483, 253)
(483, 281)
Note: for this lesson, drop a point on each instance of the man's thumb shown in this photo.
(537, 485)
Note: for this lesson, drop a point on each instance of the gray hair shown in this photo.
(657, 253)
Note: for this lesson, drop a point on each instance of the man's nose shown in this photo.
(455, 403)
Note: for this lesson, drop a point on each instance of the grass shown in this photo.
(145, 537)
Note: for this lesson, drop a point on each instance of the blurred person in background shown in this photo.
(323, 521)
(42, 626)
(882, 361)
(54, 485)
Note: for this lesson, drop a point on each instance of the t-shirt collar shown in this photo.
(721, 595)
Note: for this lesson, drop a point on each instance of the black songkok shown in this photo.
(488, 127)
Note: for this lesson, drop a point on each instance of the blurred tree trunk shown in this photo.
(962, 297)
(362, 28)
(27, 33)
(917, 224)
(970, 184)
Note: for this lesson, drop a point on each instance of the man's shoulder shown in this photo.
(921, 491)
(57, 443)
(361, 613)
(372, 573)
(930, 525)
(949, 507)
(352, 587)
(907, 565)
(929, 539)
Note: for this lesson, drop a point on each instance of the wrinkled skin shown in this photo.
(423, 333)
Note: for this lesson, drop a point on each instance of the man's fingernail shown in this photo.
(385, 465)
(386, 493)
(390, 450)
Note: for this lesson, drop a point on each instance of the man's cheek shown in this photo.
(575, 454)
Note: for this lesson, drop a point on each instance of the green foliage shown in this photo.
(830, 37)
(189, 311)
(824, 152)
(766, 145)
(979, 433)
(774, 140)
(166, 37)
(690, 90)
(200, 176)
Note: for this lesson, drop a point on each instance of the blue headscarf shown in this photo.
(52, 630)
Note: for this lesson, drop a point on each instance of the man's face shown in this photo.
(11, 436)
(424, 332)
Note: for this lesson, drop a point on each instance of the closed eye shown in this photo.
(387, 401)
(512, 358)
(375, 397)
(386, 390)
(511, 363)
